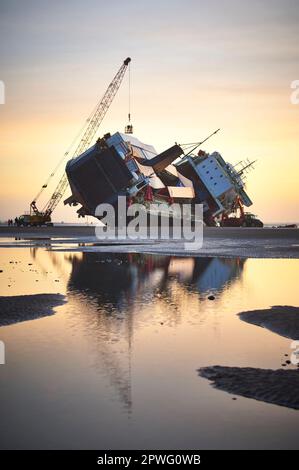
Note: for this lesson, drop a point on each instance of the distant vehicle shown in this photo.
(286, 226)
(251, 220)
(33, 220)
(245, 220)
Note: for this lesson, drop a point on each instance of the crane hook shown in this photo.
(129, 126)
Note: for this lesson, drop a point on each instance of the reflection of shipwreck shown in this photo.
(119, 279)
(120, 165)
(112, 292)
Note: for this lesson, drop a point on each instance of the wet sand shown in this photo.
(227, 242)
(19, 308)
(61, 230)
(279, 387)
(283, 320)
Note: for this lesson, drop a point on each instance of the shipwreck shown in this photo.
(121, 165)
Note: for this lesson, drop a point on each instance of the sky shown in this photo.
(196, 66)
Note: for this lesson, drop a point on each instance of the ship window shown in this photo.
(211, 177)
(221, 176)
(207, 172)
(120, 150)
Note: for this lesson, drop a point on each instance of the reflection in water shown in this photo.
(110, 290)
(119, 359)
(119, 279)
(57, 262)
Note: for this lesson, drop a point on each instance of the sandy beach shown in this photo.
(15, 309)
(107, 277)
(272, 386)
(231, 242)
(100, 326)
(281, 319)
(279, 387)
(149, 231)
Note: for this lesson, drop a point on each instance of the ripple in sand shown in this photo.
(279, 387)
(281, 319)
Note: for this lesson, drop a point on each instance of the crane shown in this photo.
(89, 130)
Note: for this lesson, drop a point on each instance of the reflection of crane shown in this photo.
(37, 217)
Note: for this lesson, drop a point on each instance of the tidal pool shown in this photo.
(115, 366)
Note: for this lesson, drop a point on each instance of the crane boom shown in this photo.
(93, 123)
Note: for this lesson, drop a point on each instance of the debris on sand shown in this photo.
(281, 319)
(19, 308)
(279, 387)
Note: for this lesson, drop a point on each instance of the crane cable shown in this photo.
(129, 114)
(195, 145)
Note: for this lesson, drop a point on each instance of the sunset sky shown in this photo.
(196, 66)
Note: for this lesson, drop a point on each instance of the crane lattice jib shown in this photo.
(92, 126)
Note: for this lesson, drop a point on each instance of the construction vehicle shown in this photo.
(33, 220)
(42, 217)
(251, 220)
(244, 219)
(247, 220)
